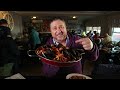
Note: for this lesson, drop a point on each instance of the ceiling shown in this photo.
(81, 15)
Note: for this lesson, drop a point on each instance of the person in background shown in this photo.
(9, 53)
(97, 39)
(61, 36)
(90, 35)
(94, 34)
(107, 39)
(4, 24)
(34, 37)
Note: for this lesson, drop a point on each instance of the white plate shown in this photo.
(76, 74)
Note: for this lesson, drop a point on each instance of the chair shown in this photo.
(6, 70)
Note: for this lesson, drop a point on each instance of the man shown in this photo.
(3, 25)
(9, 53)
(3, 22)
(107, 39)
(60, 35)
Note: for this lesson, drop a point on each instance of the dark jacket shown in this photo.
(8, 48)
(51, 71)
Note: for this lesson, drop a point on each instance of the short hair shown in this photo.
(57, 18)
(4, 31)
(3, 21)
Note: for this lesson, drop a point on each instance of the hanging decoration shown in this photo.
(6, 15)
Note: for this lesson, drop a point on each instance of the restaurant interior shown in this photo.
(107, 66)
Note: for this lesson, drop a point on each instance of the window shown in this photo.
(98, 29)
(116, 34)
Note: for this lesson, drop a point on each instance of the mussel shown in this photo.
(60, 53)
(49, 54)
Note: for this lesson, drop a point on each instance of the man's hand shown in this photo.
(86, 42)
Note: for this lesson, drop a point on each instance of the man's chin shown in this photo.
(60, 40)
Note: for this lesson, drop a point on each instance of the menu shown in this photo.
(16, 76)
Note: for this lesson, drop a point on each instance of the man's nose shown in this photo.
(59, 30)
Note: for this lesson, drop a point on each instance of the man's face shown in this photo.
(58, 30)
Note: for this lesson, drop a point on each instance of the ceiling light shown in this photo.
(74, 16)
(34, 17)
